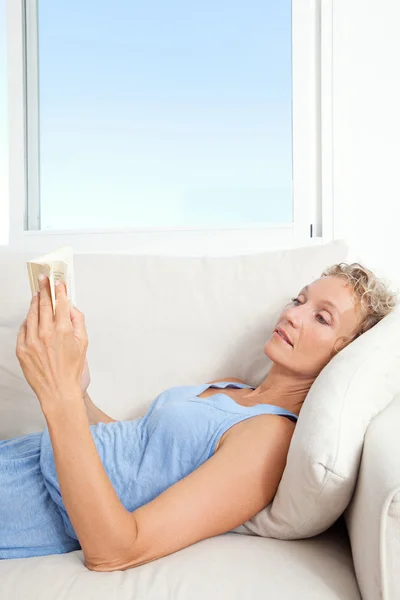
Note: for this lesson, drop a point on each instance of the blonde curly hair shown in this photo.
(373, 297)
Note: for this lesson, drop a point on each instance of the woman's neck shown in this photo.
(282, 388)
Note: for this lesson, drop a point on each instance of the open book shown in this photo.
(56, 265)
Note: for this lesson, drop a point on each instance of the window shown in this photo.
(169, 114)
(190, 126)
(4, 233)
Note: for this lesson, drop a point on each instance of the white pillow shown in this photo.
(325, 451)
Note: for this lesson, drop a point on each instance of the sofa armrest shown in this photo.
(373, 515)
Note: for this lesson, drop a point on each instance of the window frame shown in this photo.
(4, 208)
(312, 154)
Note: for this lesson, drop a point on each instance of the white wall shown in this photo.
(366, 131)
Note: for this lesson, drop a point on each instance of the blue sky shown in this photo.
(165, 113)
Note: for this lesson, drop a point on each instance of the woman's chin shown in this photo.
(270, 350)
(275, 350)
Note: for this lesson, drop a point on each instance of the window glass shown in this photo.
(165, 114)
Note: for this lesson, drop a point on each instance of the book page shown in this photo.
(57, 265)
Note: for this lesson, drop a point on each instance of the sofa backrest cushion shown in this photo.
(155, 322)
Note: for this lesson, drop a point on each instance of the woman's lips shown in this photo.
(278, 335)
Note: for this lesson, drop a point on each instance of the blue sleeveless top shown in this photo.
(144, 456)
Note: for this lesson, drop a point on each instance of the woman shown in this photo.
(182, 429)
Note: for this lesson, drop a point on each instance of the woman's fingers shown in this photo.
(63, 319)
(46, 320)
(32, 319)
(21, 338)
(78, 322)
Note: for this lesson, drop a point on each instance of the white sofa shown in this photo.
(159, 321)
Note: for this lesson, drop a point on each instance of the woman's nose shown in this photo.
(293, 315)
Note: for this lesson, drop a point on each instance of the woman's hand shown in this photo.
(85, 380)
(51, 349)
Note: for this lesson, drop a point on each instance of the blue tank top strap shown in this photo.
(257, 408)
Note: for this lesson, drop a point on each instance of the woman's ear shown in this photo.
(340, 343)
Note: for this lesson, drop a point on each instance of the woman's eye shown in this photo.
(323, 320)
(318, 316)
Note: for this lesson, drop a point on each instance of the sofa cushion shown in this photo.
(155, 322)
(224, 567)
(373, 515)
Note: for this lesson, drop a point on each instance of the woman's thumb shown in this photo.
(77, 319)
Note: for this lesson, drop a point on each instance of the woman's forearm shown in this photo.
(95, 415)
(105, 529)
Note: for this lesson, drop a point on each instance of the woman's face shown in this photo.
(315, 327)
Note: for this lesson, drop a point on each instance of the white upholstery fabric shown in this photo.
(225, 567)
(162, 321)
(373, 517)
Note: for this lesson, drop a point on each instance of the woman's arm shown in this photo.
(95, 415)
(236, 483)
(101, 522)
